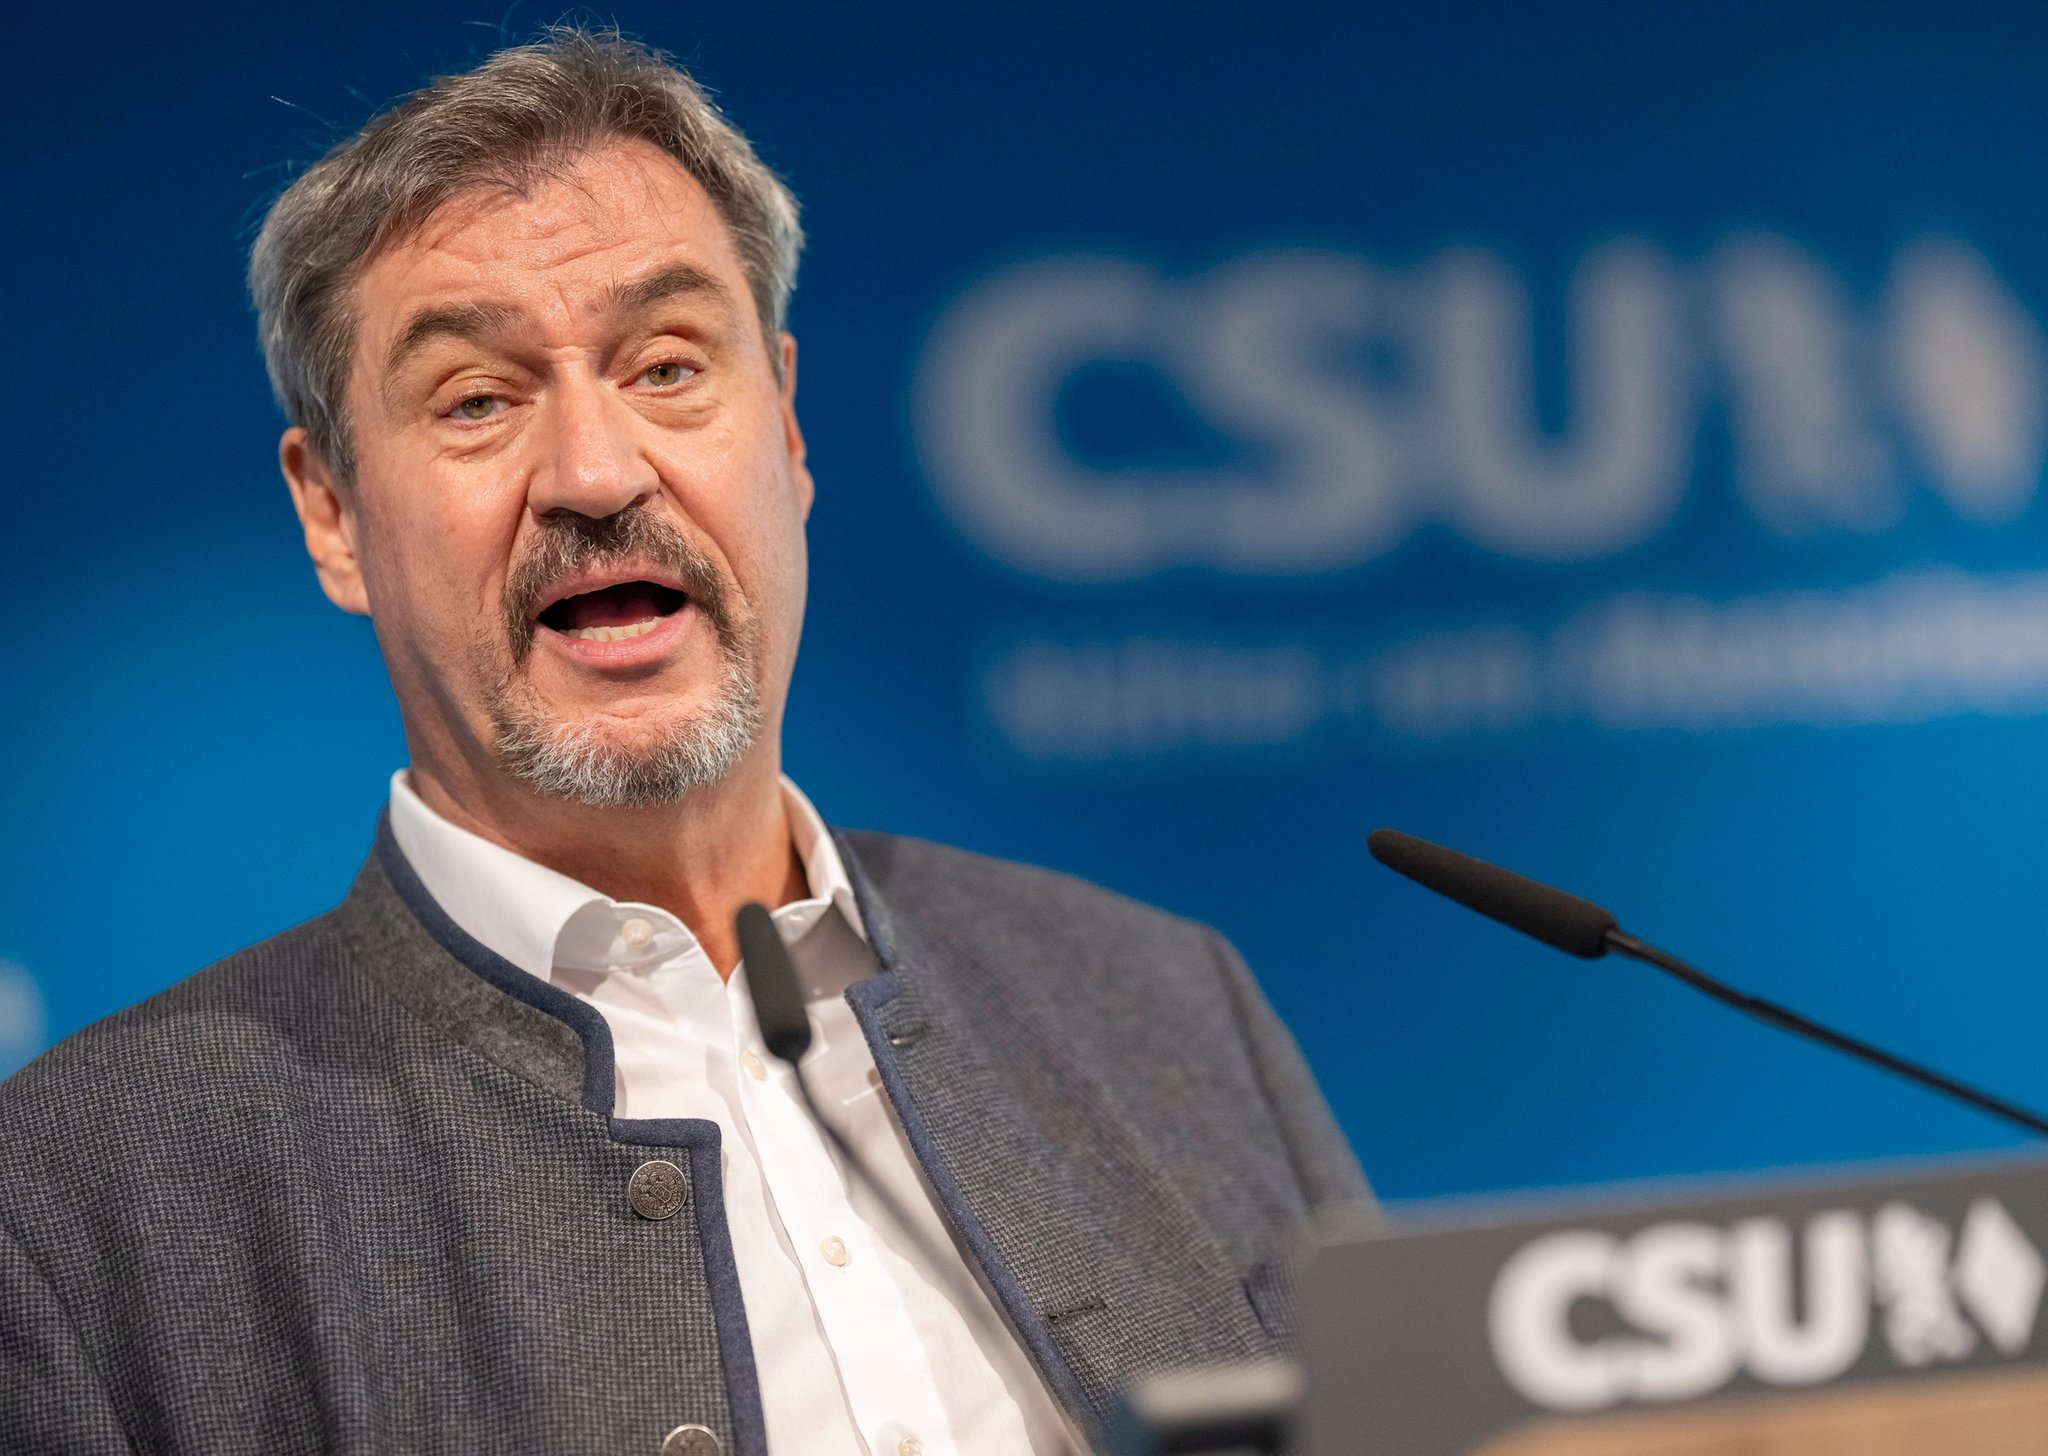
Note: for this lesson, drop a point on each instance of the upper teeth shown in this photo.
(615, 634)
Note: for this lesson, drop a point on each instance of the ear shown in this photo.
(792, 433)
(327, 518)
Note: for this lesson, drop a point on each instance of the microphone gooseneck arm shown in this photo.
(1581, 928)
(1785, 1019)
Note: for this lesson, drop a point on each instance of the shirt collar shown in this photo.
(824, 870)
(531, 915)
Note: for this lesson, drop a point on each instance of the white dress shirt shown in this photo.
(865, 1343)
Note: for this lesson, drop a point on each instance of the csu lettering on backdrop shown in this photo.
(1831, 407)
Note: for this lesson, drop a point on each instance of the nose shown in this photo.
(590, 461)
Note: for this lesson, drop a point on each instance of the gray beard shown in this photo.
(579, 763)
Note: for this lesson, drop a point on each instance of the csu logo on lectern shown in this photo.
(1580, 1319)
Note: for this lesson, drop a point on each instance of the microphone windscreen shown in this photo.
(771, 981)
(1577, 927)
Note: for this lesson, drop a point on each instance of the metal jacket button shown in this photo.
(689, 1441)
(657, 1190)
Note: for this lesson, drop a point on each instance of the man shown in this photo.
(492, 1156)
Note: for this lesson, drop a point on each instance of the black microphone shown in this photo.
(1576, 927)
(771, 981)
(1581, 928)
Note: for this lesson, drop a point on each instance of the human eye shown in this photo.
(476, 407)
(667, 374)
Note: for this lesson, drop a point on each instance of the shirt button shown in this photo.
(910, 1446)
(753, 1065)
(637, 933)
(657, 1190)
(835, 1253)
(689, 1441)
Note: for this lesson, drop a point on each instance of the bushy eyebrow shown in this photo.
(472, 321)
(476, 322)
(680, 281)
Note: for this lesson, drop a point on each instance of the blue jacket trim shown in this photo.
(868, 998)
(699, 1135)
(580, 1016)
(721, 1269)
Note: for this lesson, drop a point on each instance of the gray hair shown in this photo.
(524, 114)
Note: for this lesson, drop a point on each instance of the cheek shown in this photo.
(437, 555)
(772, 536)
(737, 490)
(791, 550)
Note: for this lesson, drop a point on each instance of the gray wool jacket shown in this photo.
(359, 1188)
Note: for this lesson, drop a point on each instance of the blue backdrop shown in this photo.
(1608, 438)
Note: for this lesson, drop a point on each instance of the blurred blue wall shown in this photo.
(1607, 438)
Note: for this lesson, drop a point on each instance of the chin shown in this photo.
(612, 763)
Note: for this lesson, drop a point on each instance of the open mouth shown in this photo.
(615, 613)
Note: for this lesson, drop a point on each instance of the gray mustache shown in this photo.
(571, 544)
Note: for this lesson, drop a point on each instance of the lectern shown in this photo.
(1894, 1313)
